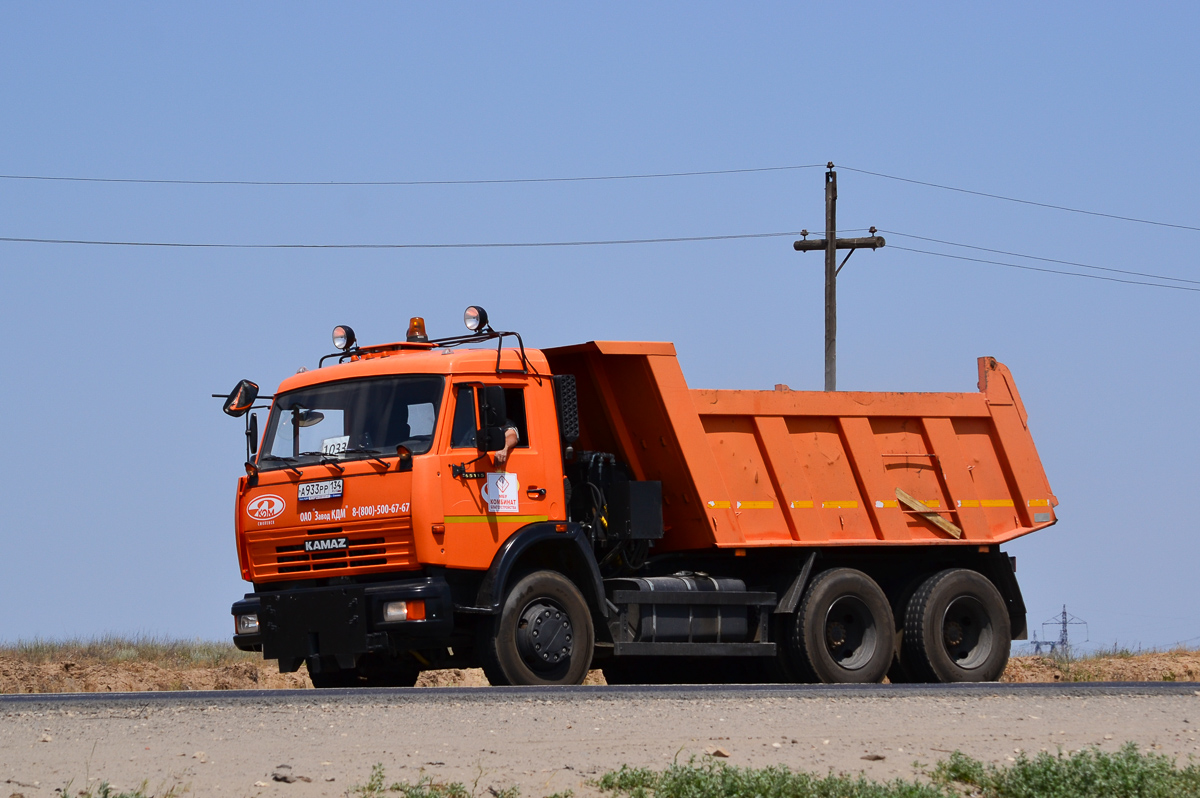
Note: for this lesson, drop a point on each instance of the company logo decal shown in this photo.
(264, 508)
(326, 544)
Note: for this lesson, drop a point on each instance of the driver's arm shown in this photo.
(511, 439)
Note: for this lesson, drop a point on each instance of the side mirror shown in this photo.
(493, 413)
(252, 435)
(240, 399)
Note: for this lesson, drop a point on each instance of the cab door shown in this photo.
(486, 503)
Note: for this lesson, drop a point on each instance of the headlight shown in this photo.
(404, 610)
(343, 337)
(475, 318)
(247, 624)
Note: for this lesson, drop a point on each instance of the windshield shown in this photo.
(353, 419)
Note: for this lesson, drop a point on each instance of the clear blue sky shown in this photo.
(118, 476)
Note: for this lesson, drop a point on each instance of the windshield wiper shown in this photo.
(326, 459)
(329, 459)
(373, 453)
(287, 461)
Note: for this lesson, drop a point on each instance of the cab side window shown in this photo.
(514, 400)
(462, 431)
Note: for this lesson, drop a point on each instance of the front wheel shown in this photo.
(957, 629)
(543, 635)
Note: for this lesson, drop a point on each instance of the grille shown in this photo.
(369, 547)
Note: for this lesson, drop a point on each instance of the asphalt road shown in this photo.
(549, 740)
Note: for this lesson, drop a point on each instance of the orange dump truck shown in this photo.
(537, 513)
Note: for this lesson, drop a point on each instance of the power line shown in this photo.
(582, 179)
(1045, 260)
(606, 242)
(1021, 201)
(1047, 271)
(482, 245)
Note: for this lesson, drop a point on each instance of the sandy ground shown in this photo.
(19, 675)
(547, 743)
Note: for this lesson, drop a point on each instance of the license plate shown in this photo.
(326, 489)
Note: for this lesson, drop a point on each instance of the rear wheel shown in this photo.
(956, 629)
(543, 635)
(842, 633)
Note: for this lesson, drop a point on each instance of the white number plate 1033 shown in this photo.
(326, 489)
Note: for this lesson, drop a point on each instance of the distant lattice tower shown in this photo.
(1064, 622)
(1038, 645)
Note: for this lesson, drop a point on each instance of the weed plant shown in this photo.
(106, 790)
(1090, 773)
(1127, 773)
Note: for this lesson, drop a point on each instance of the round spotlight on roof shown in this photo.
(343, 337)
(475, 318)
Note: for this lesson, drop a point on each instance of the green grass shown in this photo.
(711, 779)
(105, 790)
(1127, 773)
(117, 649)
(1091, 773)
(425, 787)
(1118, 651)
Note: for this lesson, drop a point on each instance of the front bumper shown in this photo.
(343, 622)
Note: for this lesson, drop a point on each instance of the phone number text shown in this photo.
(371, 510)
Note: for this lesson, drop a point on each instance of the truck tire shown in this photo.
(843, 630)
(543, 634)
(956, 629)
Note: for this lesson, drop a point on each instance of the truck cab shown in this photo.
(375, 502)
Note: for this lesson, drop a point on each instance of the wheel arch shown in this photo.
(542, 546)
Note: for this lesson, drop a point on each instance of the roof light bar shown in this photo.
(475, 318)
(343, 337)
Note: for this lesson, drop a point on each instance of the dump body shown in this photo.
(807, 468)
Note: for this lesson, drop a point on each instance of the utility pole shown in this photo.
(831, 244)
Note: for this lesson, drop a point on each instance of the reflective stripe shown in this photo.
(505, 519)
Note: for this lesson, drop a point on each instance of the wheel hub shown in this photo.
(544, 635)
(835, 634)
(967, 632)
(849, 633)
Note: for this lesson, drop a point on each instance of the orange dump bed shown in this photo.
(807, 468)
